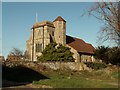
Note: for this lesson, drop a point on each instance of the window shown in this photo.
(52, 33)
(38, 47)
(64, 26)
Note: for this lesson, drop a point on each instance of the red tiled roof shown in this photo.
(59, 18)
(79, 45)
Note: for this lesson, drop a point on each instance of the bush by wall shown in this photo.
(96, 65)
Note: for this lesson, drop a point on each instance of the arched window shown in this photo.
(38, 47)
(52, 33)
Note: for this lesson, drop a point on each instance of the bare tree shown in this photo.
(107, 12)
(16, 52)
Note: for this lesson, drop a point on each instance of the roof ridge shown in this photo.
(59, 18)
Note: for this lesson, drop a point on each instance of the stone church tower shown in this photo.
(60, 30)
(44, 33)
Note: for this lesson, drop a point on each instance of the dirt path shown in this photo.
(9, 84)
(28, 86)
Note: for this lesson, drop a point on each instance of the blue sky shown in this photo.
(58, 0)
(18, 18)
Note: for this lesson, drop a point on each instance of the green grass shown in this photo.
(62, 78)
(74, 83)
(115, 74)
(84, 79)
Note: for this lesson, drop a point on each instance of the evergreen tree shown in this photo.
(54, 52)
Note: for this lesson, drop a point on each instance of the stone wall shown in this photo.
(2, 58)
(76, 55)
(49, 65)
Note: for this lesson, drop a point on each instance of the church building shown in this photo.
(46, 32)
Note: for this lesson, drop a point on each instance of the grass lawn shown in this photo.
(83, 79)
(59, 79)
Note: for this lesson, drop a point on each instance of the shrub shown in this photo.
(108, 55)
(101, 52)
(54, 52)
(96, 65)
(114, 56)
